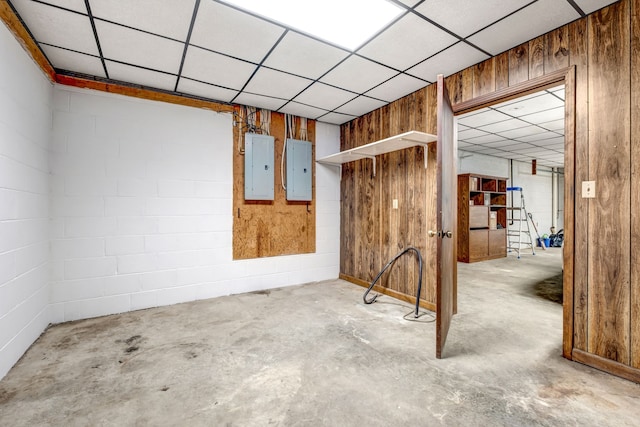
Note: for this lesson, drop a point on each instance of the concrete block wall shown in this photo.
(141, 205)
(110, 204)
(25, 125)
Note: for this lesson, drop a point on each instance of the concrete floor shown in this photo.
(315, 355)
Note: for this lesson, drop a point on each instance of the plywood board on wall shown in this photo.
(278, 227)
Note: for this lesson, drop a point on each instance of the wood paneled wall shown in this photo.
(372, 231)
(278, 227)
(604, 48)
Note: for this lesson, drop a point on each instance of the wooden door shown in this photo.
(446, 287)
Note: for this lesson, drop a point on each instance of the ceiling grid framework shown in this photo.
(215, 51)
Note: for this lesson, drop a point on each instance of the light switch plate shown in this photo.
(395, 203)
(588, 189)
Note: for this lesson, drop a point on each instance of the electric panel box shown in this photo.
(258, 167)
(299, 170)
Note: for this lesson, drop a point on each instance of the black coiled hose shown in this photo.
(410, 248)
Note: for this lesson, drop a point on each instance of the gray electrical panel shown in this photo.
(299, 171)
(258, 167)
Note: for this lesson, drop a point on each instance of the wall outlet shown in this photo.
(395, 203)
(588, 189)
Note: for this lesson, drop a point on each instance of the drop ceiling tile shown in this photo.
(205, 90)
(301, 110)
(58, 27)
(528, 130)
(359, 106)
(336, 118)
(140, 76)
(259, 101)
(549, 141)
(462, 127)
(544, 101)
(503, 126)
(555, 125)
(77, 5)
(456, 58)
(535, 138)
(358, 74)
(326, 97)
(410, 3)
(171, 19)
(462, 144)
(540, 154)
(464, 17)
(486, 139)
(396, 88)
(559, 92)
(536, 19)
(470, 133)
(589, 6)
(482, 118)
(519, 146)
(490, 151)
(274, 83)
(223, 29)
(504, 144)
(74, 61)
(407, 42)
(138, 48)
(210, 67)
(304, 56)
(529, 150)
(556, 147)
(545, 116)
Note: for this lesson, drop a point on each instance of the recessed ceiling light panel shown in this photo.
(346, 23)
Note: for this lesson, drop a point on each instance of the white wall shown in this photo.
(25, 123)
(142, 205)
(482, 165)
(537, 193)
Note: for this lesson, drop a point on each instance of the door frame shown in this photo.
(568, 77)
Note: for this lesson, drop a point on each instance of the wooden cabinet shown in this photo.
(482, 217)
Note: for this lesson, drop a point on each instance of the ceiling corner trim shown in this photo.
(141, 93)
(14, 24)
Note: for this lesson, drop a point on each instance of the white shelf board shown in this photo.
(370, 151)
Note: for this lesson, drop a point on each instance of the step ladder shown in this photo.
(518, 230)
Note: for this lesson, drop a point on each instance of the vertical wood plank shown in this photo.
(466, 87)
(484, 80)
(609, 212)
(556, 52)
(569, 215)
(519, 64)
(421, 110)
(502, 70)
(454, 81)
(635, 184)
(536, 57)
(575, 261)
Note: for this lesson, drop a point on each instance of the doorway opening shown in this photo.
(525, 135)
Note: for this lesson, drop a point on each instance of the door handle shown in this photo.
(442, 234)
